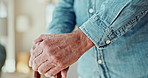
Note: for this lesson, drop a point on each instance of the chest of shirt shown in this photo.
(107, 10)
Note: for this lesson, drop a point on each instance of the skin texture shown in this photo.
(54, 53)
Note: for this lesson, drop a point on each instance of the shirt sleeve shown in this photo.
(63, 20)
(115, 19)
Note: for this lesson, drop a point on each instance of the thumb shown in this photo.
(41, 38)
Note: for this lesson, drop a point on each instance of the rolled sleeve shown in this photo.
(94, 28)
(102, 31)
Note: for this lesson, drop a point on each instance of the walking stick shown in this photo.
(37, 75)
(59, 75)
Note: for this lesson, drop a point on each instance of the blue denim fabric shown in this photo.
(119, 30)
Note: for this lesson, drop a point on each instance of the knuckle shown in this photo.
(44, 43)
(41, 70)
(50, 51)
(55, 58)
(35, 62)
(60, 65)
(33, 53)
(47, 54)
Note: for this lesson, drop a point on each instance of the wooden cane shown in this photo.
(59, 75)
(37, 75)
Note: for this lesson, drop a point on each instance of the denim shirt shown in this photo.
(119, 30)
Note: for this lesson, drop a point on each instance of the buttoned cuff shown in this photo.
(96, 30)
(102, 34)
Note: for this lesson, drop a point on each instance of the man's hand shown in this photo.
(56, 52)
(63, 72)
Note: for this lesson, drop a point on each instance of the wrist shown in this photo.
(85, 42)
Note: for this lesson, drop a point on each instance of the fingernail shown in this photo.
(63, 75)
(33, 67)
(39, 72)
(29, 65)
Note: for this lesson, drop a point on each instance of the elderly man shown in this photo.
(111, 42)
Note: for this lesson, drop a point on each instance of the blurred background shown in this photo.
(22, 21)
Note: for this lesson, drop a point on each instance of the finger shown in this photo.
(39, 60)
(53, 71)
(36, 52)
(30, 63)
(41, 38)
(64, 72)
(43, 68)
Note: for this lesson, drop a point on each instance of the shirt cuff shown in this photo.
(96, 30)
(102, 34)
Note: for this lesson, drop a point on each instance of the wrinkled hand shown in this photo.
(54, 53)
(63, 72)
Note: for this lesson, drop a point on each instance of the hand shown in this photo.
(63, 72)
(58, 51)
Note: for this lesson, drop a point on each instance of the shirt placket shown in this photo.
(100, 57)
(101, 64)
(91, 9)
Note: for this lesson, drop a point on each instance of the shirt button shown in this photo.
(100, 61)
(108, 41)
(91, 10)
